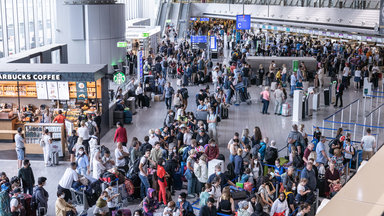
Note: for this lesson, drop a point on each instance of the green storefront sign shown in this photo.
(119, 78)
(145, 34)
(122, 44)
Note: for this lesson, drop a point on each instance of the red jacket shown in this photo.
(120, 135)
(212, 152)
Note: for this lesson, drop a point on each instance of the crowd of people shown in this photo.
(256, 180)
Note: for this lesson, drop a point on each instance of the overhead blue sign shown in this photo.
(140, 61)
(204, 19)
(198, 39)
(243, 22)
(193, 18)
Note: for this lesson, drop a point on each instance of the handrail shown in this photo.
(374, 110)
(342, 108)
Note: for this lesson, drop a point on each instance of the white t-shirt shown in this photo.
(113, 202)
(368, 141)
(346, 71)
(357, 73)
(144, 161)
(83, 133)
(300, 188)
(98, 168)
(118, 154)
(14, 202)
(46, 139)
(68, 178)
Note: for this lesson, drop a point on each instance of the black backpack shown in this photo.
(184, 93)
(230, 173)
(34, 200)
(331, 150)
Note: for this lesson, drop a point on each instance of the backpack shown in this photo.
(129, 186)
(226, 84)
(298, 162)
(255, 149)
(331, 150)
(91, 128)
(269, 154)
(230, 173)
(135, 166)
(34, 200)
(184, 93)
(185, 153)
(165, 64)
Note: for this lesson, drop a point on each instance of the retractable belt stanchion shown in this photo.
(342, 117)
(333, 124)
(358, 110)
(323, 127)
(350, 116)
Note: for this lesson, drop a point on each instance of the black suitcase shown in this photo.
(239, 195)
(253, 81)
(146, 101)
(224, 112)
(326, 97)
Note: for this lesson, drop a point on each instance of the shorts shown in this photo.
(357, 79)
(20, 153)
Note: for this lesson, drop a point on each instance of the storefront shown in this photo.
(27, 90)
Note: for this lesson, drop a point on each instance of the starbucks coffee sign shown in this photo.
(30, 77)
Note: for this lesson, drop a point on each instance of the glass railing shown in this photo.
(351, 4)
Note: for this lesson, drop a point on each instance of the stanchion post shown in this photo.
(317, 199)
(342, 117)
(333, 124)
(358, 110)
(350, 116)
(323, 128)
(354, 132)
(277, 190)
(365, 101)
(365, 121)
(371, 104)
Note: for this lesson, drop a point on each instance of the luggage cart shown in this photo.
(241, 94)
(79, 198)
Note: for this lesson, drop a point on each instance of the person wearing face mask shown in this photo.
(280, 206)
(190, 175)
(101, 204)
(156, 153)
(209, 209)
(243, 207)
(27, 178)
(183, 206)
(5, 199)
(82, 162)
(289, 194)
(41, 196)
(212, 151)
(46, 143)
(219, 175)
(170, 209)
(201, 172)
(15, 203)
(161, 180)
(212, 123)
(150, 203)
(62, 208)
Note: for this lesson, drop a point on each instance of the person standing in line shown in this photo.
(15, 205)
(46, 143)
(121, 134)
(339, 93)
(279, 98)
(5, 207)
(121, 156)
(27, 178)
(168, 94)
(212, 124)
(41, 196)
(20, 148)
(143, 174)
(320, 76)
(265, 99)
(83, 133)
(82, 161)
(293, 83)
(368, 144)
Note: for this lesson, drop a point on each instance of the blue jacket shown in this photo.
(186, 206)
(262, 150)
(238, 164)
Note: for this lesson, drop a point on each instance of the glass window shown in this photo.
(31, 24)
(40, 23)
(1, 35)
(20, 14)
(10, 27)
(48, 27)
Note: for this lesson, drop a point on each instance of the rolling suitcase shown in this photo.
(146, 101)
(285, 109)
(273, 86)
(326, 97)
(55, 158)
(224, 112)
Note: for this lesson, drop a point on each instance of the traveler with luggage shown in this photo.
(40, 196)
(120, 134)
(168, 94)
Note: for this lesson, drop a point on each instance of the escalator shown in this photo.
(162, 15)
(184, 20)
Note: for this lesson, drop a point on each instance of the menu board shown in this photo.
(63, 90)
(53, 93)
(41, 90)
(81, 90)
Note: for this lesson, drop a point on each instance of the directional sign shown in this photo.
(213, 43)
(198, 39)
(122, 44)
(204, 19)
(243, 22)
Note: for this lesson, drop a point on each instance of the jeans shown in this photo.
(245, 81)
(161, 89)
(293, 87)
(229, 95)
(231, 158)
(284, 78)
(212, 132)
(144, 185)
(29, 189)
(265, 106)
(278, 106)
(168, 102)
(192, 181)
(82, 170)
(165, 72)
